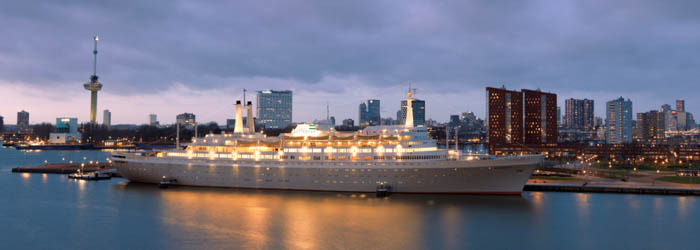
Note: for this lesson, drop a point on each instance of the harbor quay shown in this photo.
(644, 182)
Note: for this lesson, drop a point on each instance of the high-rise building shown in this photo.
(680, 105)
(525, 117)
(186, 119)
(579, 114)
(418, 112)
(107, 118)
(348, 122)
(363, 114)
(558, 116)
(373, 112)
(651, 126)
(588, 114)
(598, 122)
(618, 121)
(679, 119)
(471, 122)
(504, 116)
(454, 121)
(22, 121)
(540, 117)
(153, 120)
(332, 120)
(274, 108)
(2, 124)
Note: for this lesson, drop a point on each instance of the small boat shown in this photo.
(92, 176)
(383, 190)
(165, 182)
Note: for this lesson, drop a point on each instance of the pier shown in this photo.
(663, 190)
(64, 168)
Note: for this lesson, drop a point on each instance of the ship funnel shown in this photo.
(239, 118)
(250, 121)
(409, 108)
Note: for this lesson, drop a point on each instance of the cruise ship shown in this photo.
(399, 158)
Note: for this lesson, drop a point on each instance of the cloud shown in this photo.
(352, 51)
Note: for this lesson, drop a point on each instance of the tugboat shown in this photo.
(383, 190)
(165, 182)
(92, 176)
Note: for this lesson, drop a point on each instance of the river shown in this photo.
(46, 211)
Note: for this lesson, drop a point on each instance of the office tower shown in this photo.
(651, 126)
(22, 121)
(579, 114)
(418, 112)
(504, 116)
(2, 124)
(332, 120)
(454, 121)
(540, 117)
(558, 116)
(471, 122)
(574, 113)
(348, 122)
(107, 118)
(588, 114)
(373, 112)
(363, 115)
(680, 105)
(598, 122)
(186, 119)
(93, 86)
(153, 120)
(274, 108)
(679, 119)
(618, 121)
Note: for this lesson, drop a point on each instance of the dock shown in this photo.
(612, 189)
(64, 168)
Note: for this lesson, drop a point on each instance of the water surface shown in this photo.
(45, 211)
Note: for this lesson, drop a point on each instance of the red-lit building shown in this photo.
(526, 117)
(504, 116)
(540, 117)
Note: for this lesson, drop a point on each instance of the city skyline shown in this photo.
(175, 63)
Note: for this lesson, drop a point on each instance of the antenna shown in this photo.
(94, 52)
(328, 112)
(244, 90)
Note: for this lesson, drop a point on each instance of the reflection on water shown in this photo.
(682, 208)
(583, 208)
(312, 220)
(50, 211)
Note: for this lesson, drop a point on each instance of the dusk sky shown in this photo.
(170, 57)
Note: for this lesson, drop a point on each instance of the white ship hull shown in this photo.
(494, 176)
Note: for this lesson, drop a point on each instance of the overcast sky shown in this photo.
(169, 57)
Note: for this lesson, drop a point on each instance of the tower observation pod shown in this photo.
(94, 85)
